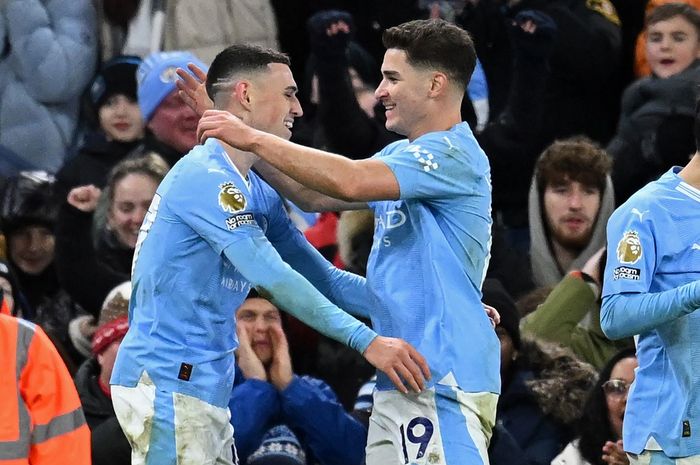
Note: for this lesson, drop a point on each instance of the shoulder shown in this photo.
(393, 147)
(457, 143)
(203, 166)
(650, 201)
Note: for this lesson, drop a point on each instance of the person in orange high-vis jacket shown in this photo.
(41, 419)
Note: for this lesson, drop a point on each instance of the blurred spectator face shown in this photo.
(106, 360)
(400, 92)
(175, 124)
(671, 46)
(7, 291)
(615, 389)
(32, 248)
(276, 103)
(508, 351)
(120, 118)
(257, 316)
(132, 197)
(570, 210)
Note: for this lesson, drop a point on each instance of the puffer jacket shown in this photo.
(48, 54)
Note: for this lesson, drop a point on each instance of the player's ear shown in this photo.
(438, 84)
(241, 92)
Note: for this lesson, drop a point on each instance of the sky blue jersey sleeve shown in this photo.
(437, 165)
(347, 290)
(624, 315)
(214, 203)
(630, 306)
(258, 261)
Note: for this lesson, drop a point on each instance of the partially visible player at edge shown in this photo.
(651, 290)
(214, 229)
(431, 196)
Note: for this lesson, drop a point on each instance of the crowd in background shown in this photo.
(577, 104)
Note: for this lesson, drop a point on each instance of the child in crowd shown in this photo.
(120, 126)
(655, 127)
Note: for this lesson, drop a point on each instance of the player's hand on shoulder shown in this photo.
(400, 361)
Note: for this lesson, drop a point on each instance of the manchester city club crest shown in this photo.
(231, 199)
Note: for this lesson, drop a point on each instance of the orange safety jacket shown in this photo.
(4, 307)
(41, 419)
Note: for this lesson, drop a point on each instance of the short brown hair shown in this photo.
(435, 43)
(574, 159)
(671, 10)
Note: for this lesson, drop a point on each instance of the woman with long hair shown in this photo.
(599, 430)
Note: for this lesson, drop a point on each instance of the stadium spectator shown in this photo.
(654, 132)
(119, 127)
(27, 218)
(571, 198)
(598, 438)
(96, 230)
(42, 421)
(48, 53)
(267, 393)
(570, 315)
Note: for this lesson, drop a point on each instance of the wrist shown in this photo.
(589, 280)
(257, 140)
(283, 383)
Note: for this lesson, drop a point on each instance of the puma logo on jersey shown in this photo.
(695, 246)
(634, 211)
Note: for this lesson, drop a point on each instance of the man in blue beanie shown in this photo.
(170, 122)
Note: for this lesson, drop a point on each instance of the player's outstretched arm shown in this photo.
(327, 173)
(304, 197)
(260, 263)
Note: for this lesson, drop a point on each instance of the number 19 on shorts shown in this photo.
(415, 438)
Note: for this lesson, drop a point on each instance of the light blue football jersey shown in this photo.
(429, 258)
(654, 246)
(185, 291)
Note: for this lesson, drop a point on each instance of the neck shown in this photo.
(691, 172)
(438, 121)
(564, 256)
(242, 160)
